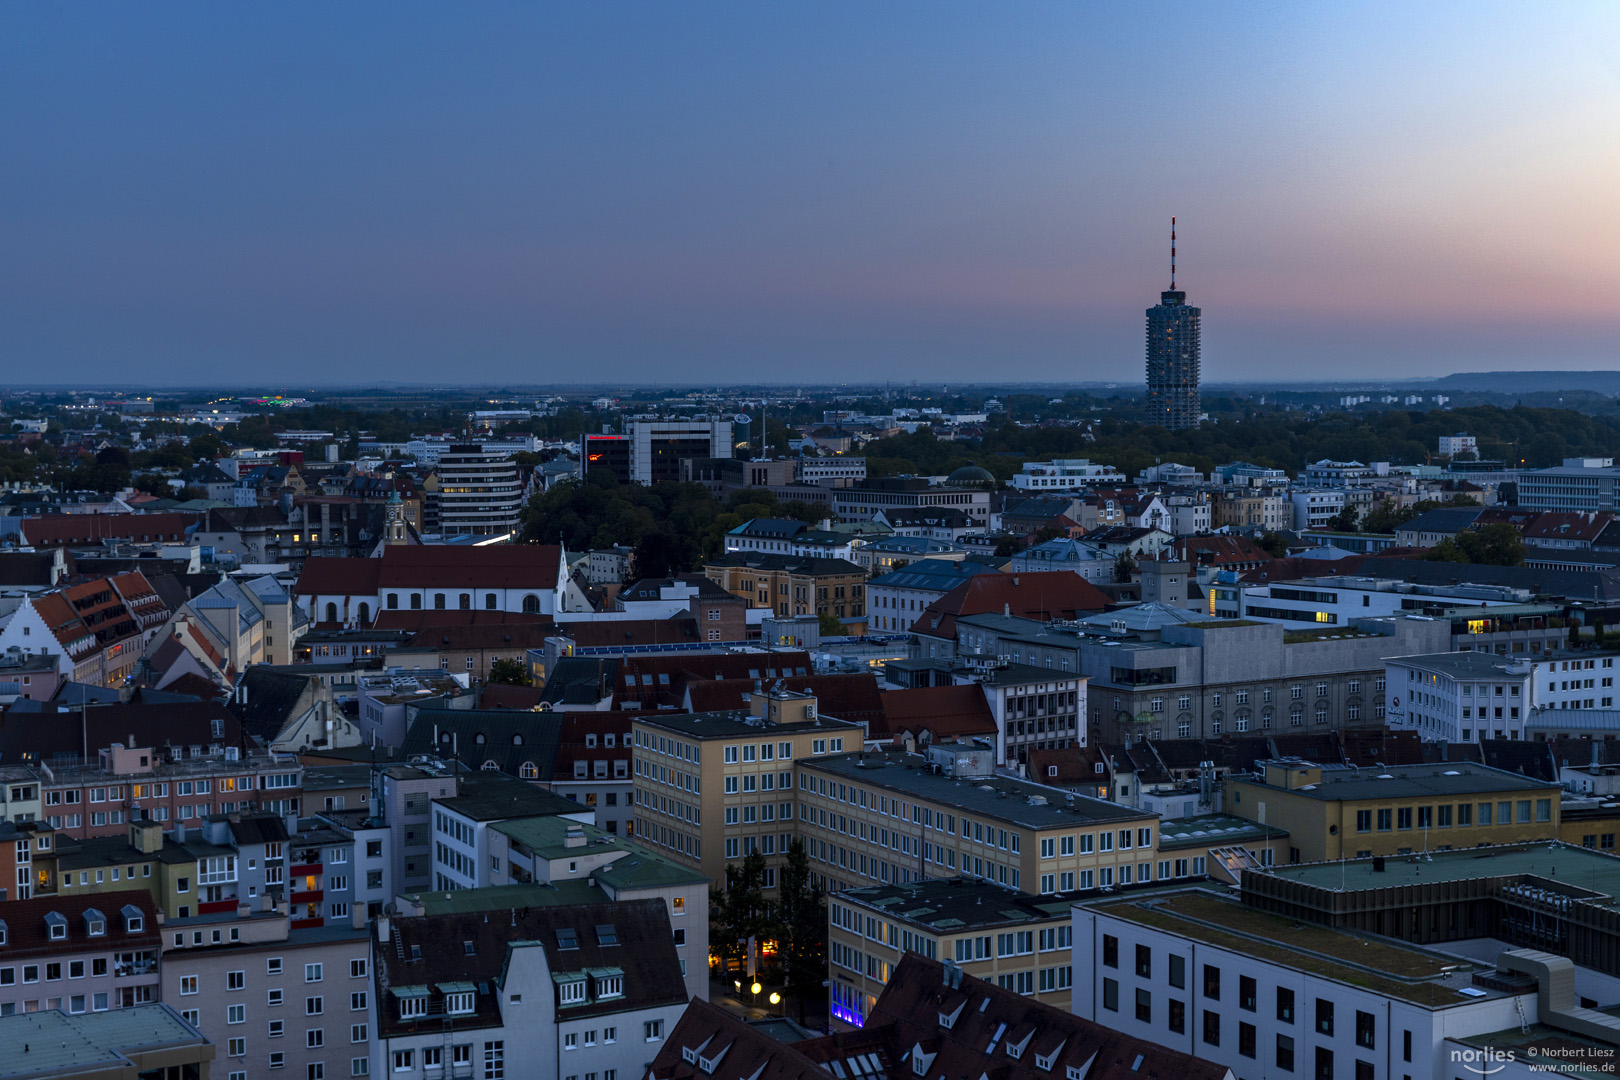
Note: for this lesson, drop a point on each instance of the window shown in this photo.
(314, 1006)
(235, 980)
(1285, 1049)
(1144, 961)
(495, 1060)
(1365, 1030)
(1324, 1017)
(358, 1033)
(1212, 1027)
(1178, 972)
(1248, 991)
(1144, 1006)
(1110, 956)
(1111, 995)
(358, 1001)
(312, 973)
(404, 1060)
(315, 1038)
(1212, 982)
(236, 1014)
(1324, 1063)
(1285, 1005)
(1178, 1017)
(188, 984)
(1246, 1040)
(653, 1030)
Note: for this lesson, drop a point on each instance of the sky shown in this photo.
(297, 194)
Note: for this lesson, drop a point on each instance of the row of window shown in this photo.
(1506, 812)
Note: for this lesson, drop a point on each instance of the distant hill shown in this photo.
(1529, 382)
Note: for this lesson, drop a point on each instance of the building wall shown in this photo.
(1322, 830)
(1391, 1018)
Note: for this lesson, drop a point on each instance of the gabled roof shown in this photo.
(1036, 594)
(1446, 520)
(1559, 525)
(1220, 551)
(327, 575)
(708, 1031)
(508, 738)
(40, 732)
(60, 530)
(472, 948)
(26, 922)
(429, 566)
(946, 712)
(770, 528)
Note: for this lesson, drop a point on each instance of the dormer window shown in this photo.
(95, 923)
(56, 927)
(567, 938)
(610, 985)
(4, 939)
(134, 919)
(412, 1001)
(460, 999)
(570, 988)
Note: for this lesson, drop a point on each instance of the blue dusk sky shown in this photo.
(805, 192)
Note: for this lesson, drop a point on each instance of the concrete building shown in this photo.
(1586, 485)
(891, 818)
(273, 998)
(1464, 697)
(1207, 976)
(1066, 474)
(1019, 942)
(863, 499)
(1174, 341)
(473, 491)
(128, 1044)
(712, 787)
(1035, 709)
(1396, 810)
(1453, 445)
(657, 447)
(896, 599)
(834, 471)
(1209, 678)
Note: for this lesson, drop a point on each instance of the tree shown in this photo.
(801, 926)
(1124, 566)
(740, 910)
(1273, 544)
(508, 672)
(1491, 545)
(1008, 546)
(1344, 520)
(830, 626)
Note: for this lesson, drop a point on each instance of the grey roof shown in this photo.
(494, 796)
(1466, 666)
(937, 575)
(60, 1044)
(997, 798)
(1449, 520)
(775, 528)
(508, 737)
(1416, 781)
(1574, 584)
(1144, 617)
(951, 905)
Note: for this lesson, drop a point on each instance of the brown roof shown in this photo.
(623, 632)
(946, 712)
(1044, 595)
(399, 619)
(853, 697)
(749, 1051)
(1219, 550)
(50, 731)
(916, 995)
(329, 575)
(662, 681)
(515, 566)
(1562, 525)
(27, 936)
(59, 530)
(1067, 766)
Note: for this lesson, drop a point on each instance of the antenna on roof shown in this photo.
(1172, 253)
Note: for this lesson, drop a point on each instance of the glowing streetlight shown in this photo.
(756, 988)
(776, 999)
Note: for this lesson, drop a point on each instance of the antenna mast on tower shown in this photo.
(1172, 253)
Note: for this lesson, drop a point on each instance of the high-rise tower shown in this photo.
(1172, 355)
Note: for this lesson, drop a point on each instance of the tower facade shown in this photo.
(1173, 355)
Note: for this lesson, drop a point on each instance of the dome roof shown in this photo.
(970, 474)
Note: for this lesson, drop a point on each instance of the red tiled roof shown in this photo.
(58, 530)
(515, 566)
(328, 575)
(1219, 550)
(1044, 595)
(1561, 525)
(947, 712)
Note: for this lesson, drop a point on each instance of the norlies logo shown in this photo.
(1482, 1062)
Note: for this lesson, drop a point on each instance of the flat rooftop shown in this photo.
(733, 724)
(949, 905)
(1467, 666)
(63, 1045)
(1578, 866)
(999, 798)
(1208, 829)
(1445, 780)
(1548, 1050)
(1385, 967)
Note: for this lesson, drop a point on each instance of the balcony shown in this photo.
(312, 869)
(215, 907)
(311, 896)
